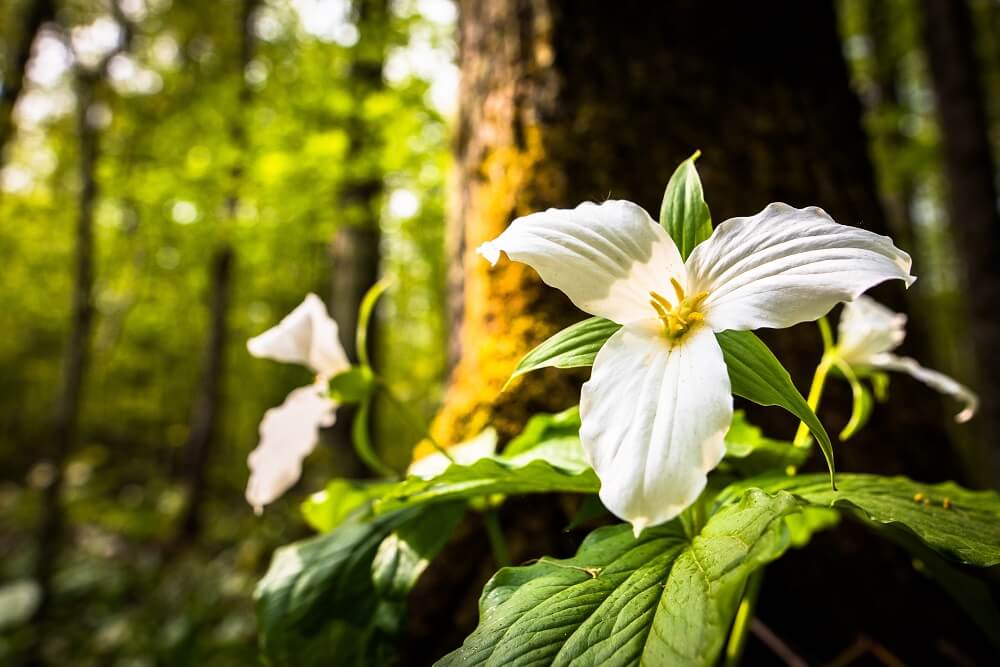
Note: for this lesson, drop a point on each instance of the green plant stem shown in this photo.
(363, 445)
(413, 420)
(815, 395)
(498, 544)
(744, 617)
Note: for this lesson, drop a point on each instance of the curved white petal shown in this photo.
(787, 265)
(868, 328)
(606, 257)
(307, 336)
(288, 433)
(654, 419)
(932, 379)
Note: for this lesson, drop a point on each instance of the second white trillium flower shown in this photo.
(868, 333)
(289, 432)
(658, 403)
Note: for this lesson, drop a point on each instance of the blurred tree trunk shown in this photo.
(898, 187)
(564, 102)
(208, 402)
(354, 249)
(36, 14)
(972, 208)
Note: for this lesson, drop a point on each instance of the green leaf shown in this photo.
(750, 453)
(318, 598)
(343, 594)
(490, 476)
(957, 522)
(407, 551)
(664, 598)
(969, 592)
(352, 386)
(327, 509)
(543, 427)
(758, 376)
(574, 346)
(684, 213)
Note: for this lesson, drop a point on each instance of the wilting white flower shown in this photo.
(868, 333)
(658, 403)
(289, 432)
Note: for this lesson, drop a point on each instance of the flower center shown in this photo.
(677, 319)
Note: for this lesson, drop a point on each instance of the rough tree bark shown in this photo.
(36, 14)
(564, 102)
(354, 249)
(208, 402)
(972, 208)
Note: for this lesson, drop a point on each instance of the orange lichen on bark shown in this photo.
(508, 310)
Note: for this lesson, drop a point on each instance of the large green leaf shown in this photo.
(318, 597)
(957, 522)
(492, 476)
(407, 551)
(343, 593)
(342, 498)
(684, 213)
(757, 375)
(574, 346)
(665, 598)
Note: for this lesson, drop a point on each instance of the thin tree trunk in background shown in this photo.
(564, 102)
(972, 208)
(36, 14)
(77, 357)
(65, 420)
(354, 249)
(205, 412)
(208, 404)
(899, 188)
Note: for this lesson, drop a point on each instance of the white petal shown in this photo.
(307, 336)
(288, 433)
(466, 453)
(932, 379)
(654, 420)
(607, 258)
(868, 328)
(787, 265)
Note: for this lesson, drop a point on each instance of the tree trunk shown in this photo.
(565, 102)
(205, 412)
(972, 207)
(354, 249)
(36, 14)
(77, 357)
(208, 404)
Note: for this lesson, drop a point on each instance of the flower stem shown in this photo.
(744, 617)
(498, 545)
(815, 394)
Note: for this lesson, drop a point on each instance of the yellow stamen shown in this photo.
(678, 319)
(660, 299)
(678, 290)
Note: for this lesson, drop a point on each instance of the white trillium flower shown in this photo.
(289, 432)
(868, 333)
(658, 403)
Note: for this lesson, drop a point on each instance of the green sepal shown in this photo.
(684, 213)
